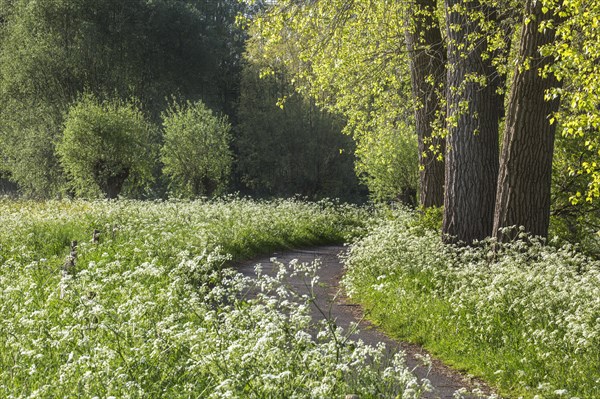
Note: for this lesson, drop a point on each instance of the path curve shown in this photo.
(328, 296)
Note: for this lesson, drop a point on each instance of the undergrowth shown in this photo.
(525, 316)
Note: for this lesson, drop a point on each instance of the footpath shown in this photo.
(330, 299)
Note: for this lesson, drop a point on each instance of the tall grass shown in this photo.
(243, 228)
(524, 316)
(149, 311)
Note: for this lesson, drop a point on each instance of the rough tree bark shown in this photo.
(474, 110)
(114, 183)
(526, 165)
(109, 180)
(427, 54)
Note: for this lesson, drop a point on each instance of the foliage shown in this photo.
(297, 149)
(429, 218)
(148, 49)
(195, 153)
(52, 51)
(350, 58)
(149, 310)
(522, 315)
(575, 222)
(576, 50)
(106, 147)
(387, 162)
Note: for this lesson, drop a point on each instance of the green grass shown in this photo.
(525, 318)
(242, 228)
(150, 311)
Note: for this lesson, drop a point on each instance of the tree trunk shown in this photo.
(115, 182)
(526, 164)
(474, 110)
(110, 181)
(427, 61)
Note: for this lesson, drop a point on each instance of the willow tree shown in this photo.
(107, 147)
(195, 153)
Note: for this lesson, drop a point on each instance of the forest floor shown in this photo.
(332, 303)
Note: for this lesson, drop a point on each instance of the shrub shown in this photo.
(387, 162)
(429, 218)
(28, 135)
(195, 154)
(106, 147)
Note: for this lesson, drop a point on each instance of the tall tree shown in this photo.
(526, 165)
(427, 53)
(474, 111)
(348, 56)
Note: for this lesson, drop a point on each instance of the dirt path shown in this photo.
(445, 380)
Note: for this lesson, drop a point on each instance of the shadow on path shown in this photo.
(330, 300)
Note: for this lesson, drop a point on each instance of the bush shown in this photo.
(27, 148)
(107, 147)
(387, 162)
(196, 153)
(429, 218)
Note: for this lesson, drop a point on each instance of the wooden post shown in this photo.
(96, 237)
(74, 251)
(71, 258)
(68, 266)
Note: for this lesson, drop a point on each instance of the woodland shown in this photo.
(454, 144)
(437, 102)
(68, 65)
(501, 96)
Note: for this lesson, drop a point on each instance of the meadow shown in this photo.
(524, 316)
(153, 307)
(150, 307)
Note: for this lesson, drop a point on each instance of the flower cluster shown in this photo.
(525, 315)
(148, 308)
